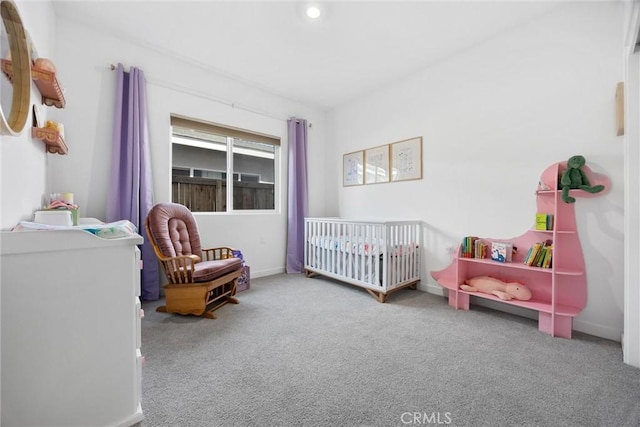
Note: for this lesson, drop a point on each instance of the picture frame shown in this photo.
(352, 169)
(376, 164)
(406, 159)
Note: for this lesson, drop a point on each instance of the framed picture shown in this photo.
(376, 165)
(352, 169)
(406, 159)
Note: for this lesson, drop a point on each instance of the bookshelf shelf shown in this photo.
(559, 293)
(542, 231)
(52, 139)
(505, 265)
(569, 272)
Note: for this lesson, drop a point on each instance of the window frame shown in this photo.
(230, 133)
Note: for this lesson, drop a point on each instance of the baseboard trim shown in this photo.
(433, 289)
(263, 273)
(601, 331)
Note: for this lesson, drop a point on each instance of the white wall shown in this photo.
(179, 87)
(492, 119)
(23, 159)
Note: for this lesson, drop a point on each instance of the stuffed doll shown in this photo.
(575, 178)
(503, 290)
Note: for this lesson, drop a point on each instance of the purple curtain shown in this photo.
(298, 199)
(131, 187)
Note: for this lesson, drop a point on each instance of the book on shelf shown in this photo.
(547, 257)
(544, 221)
(479, 249)
(540, 258)
(501, 251)
(531, 253)
(539, 254)
(468, 247)
(473, 247)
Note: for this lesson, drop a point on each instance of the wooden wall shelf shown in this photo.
(52, 138)
(49, 88)
(46, 82)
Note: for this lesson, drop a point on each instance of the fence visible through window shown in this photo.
(203, 170)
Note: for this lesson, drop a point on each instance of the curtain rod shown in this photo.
(171, 86)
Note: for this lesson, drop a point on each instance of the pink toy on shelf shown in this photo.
(559, 292)
(506, 291)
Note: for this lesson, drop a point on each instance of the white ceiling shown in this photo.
(353, 48)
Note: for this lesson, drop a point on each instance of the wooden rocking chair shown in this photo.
(199, 280)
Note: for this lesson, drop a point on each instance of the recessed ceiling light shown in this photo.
(313, 12)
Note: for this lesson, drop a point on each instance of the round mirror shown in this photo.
(15, 89)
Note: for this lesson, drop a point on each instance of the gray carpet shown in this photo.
(315, 352)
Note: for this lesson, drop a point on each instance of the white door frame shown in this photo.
(631, 140)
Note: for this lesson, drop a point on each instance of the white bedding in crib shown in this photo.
(358, 245)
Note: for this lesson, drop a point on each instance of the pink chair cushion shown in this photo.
(209, 270)
(174, 229)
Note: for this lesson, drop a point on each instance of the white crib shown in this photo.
(381, 257)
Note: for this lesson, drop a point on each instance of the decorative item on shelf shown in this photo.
(501, 251)
(574, 178)
(542, 186)
(43, 73)
(44, 64)
(53, 136)
(506, 291)
(63, 202)
(57, 126)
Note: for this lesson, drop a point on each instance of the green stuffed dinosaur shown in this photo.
(575, 178)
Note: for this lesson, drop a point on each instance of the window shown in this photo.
(220, 169)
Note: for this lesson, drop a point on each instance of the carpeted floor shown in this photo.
(315, 352)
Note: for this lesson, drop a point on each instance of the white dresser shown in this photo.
(70, 324)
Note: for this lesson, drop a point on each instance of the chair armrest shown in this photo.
(212, 254)
(179, 269)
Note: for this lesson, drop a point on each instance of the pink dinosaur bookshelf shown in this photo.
(559, 293)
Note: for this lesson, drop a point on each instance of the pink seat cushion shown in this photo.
(175, 231)
(210, 270)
